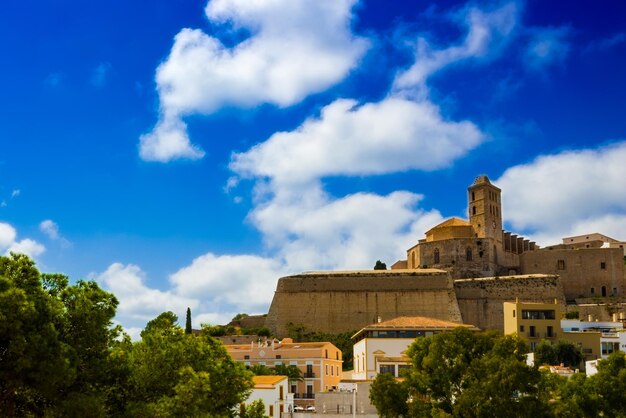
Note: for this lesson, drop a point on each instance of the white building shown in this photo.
(612, 337)
(273, 391)
(382, 347)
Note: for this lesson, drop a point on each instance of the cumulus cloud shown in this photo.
(376, 138)
(487, 33)
(312, 230)
(138, 302)
(15, 193)
(246, 282)
(547, 46)
(295, 48)
(591, 193)
(9, 243)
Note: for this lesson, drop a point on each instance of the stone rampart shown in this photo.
(480, 300)
(347, 301)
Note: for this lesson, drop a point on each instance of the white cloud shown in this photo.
(246, 282)
(568, 193)
(547, 46)
(488, 32)
(168, 140)
(9, 244)
(295, 48)
(138, 302)
(376, 138)
(50, 228)
(16, 193)
(311, 230)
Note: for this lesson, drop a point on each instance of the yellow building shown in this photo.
(534, 322)
(320, 363)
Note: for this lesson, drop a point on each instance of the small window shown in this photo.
(468, 254)
(436, 255)
(550, 332)
(614, 291)
(593, 291)
(532, 332)
(521, 328)
(326, 353)
(473, 210)
(603, 291)
(278, 356)
(560, 264)
(246, 357)
(513, 313)
(603, 265)
(473, 196)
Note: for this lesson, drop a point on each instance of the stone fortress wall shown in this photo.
(347, 301)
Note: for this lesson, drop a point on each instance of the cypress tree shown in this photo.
(188, 322)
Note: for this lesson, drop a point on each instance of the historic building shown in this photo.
(462, 271)
(589, 266)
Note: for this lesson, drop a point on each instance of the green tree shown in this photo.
(255, 409)
(389, 396)
(177, 374)
(380, 265)
(469, 374)
(56, 342)
(559, 352)
(188, 329)
(293, 373)
(261, 370)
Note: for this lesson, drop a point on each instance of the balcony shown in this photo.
(304, 395)
(309, 375)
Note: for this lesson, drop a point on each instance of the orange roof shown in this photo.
(415, 323)
(267, 382)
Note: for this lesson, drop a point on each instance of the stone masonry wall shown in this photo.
(348, 301)
(480, 300)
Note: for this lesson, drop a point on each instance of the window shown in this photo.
(473, 196)
(246, 357)
(278, 356)
(327, 370)
(326, 353)
(521, 328)
(468, 254)
(593, 291)
(603, 291)
(281, 394)
(547, 314)
(387, 368)
(531, 331)
(436, 255)
(513, 313)
(550, 332)
(560, 264)
(271, 410)
(603, 265)
(473, 210)
(294, 388)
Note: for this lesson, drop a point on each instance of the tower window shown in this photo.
(436, 255)
(473, 196)
(473, 210)
(603, 265)
(468, 254)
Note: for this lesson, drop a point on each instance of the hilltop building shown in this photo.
(462, 271)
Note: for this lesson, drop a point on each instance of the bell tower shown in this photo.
(485, 209)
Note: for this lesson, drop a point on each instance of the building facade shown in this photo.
(319, 362)
(382, 347)
(274, 392)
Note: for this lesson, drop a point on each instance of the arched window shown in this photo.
(436, 255)
(468, 254)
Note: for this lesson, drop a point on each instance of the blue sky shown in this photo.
(185, 153)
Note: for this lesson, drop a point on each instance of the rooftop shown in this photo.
(267, 382)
